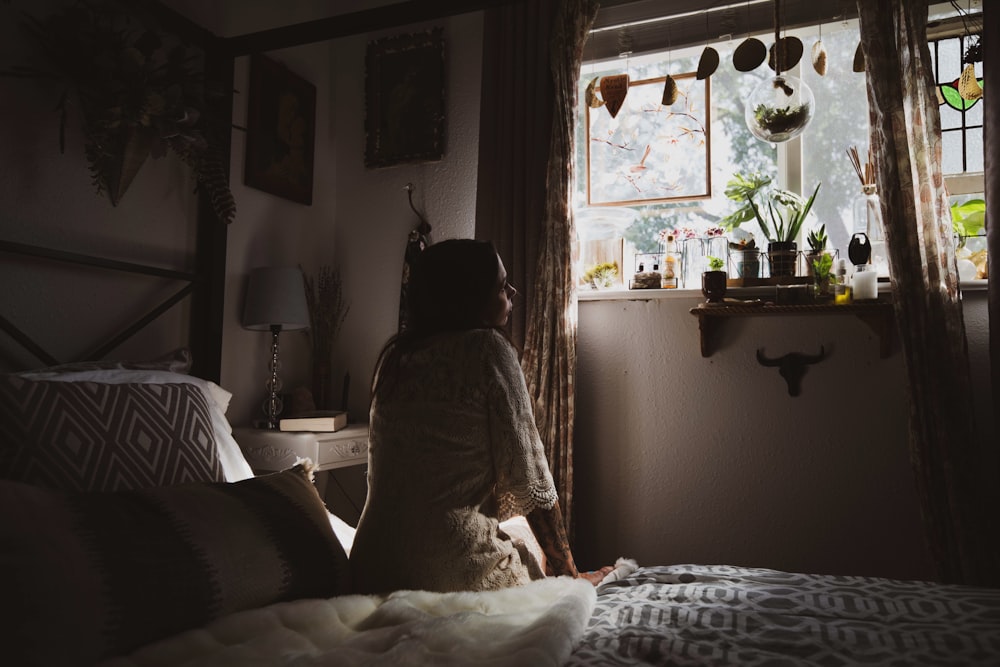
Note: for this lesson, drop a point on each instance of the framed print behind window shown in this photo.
(404, 99)
(281, 129)
(651, 152)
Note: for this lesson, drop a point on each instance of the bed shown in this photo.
(135, 534)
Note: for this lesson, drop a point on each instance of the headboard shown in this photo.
(85, 279)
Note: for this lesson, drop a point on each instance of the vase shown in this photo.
(713, 285)
(747, 263)
(781, 255)
(868, 219)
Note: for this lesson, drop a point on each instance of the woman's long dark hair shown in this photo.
(450, 286)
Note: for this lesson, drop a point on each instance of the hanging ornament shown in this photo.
(859, 59)
(819, 53)
(669, 91)
(707, 64)
(751, 52)
(968, 85)
(709, 60)
(780, 107)
(790, 50)
(614, 88)
(593, 101)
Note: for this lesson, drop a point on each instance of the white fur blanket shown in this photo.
(537, 624)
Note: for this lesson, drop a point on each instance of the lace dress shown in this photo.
(453, 449)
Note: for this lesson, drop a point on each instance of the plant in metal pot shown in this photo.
(779, 213)
(824, 279)
(817, 240)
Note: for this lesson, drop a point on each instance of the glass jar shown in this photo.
(868, 219)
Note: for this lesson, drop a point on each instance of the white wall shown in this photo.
(682, 458)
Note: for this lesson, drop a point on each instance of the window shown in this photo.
(819, 155)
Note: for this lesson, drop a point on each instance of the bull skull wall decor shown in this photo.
(792, 367)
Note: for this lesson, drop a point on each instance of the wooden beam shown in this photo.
(354, 23)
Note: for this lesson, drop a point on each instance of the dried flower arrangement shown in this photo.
(327, 312)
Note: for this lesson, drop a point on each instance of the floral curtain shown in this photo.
(906, 143)
(515, 125)
(533, 74)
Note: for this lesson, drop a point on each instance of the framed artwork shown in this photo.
(281, 131)
(404, 99)
(650, 152)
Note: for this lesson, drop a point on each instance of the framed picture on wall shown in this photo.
(281, 131)
(404, 99)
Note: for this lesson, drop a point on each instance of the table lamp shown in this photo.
(275, 302)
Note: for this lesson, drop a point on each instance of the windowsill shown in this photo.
(622, 294)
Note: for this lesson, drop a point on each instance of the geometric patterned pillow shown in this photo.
(86, 436)
(89, 576)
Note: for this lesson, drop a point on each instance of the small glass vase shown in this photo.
(868, 219)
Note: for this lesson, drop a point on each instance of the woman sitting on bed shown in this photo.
(453, 446)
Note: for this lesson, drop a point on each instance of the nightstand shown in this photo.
(269, 451)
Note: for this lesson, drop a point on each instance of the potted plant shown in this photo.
(713, 281)
(745, 257)
(601, 276)
(824, 279)
(817, 240)
(780, 214)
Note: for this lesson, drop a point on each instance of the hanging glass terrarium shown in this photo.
(779, 108)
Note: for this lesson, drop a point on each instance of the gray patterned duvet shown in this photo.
(720, 615)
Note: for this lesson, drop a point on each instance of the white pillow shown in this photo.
(234, 465)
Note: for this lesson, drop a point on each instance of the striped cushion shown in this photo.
(88, 436)
(87, 576)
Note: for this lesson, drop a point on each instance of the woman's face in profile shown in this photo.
(500, 305)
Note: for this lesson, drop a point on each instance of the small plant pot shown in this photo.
(713, 285)
(782, 255)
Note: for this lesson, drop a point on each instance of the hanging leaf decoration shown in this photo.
(749, 54)
(614, 88)
(669, 91)
(968, 85)
(707, 63)
(790, 49)
(593, 101)
(819, 57)
(859, 59)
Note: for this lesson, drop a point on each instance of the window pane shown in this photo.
(733, 147)
(841, 121)
(951, 152)
(974, 150)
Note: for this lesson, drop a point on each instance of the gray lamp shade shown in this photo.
(276, 297)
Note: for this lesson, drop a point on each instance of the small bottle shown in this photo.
(842, 289)
(669, 280)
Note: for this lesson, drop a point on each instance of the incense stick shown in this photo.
(866, 173)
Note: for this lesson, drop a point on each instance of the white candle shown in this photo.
(864, 283)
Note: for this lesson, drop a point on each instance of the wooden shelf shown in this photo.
(876, 314)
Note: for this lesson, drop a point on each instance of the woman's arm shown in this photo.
(547, 525)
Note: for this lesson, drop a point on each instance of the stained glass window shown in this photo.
(961, 117)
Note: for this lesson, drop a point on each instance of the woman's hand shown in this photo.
(597, 576)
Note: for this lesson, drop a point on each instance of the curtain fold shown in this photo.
(532, 53)
(906, 142)
(515, 125)
(550, 343)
